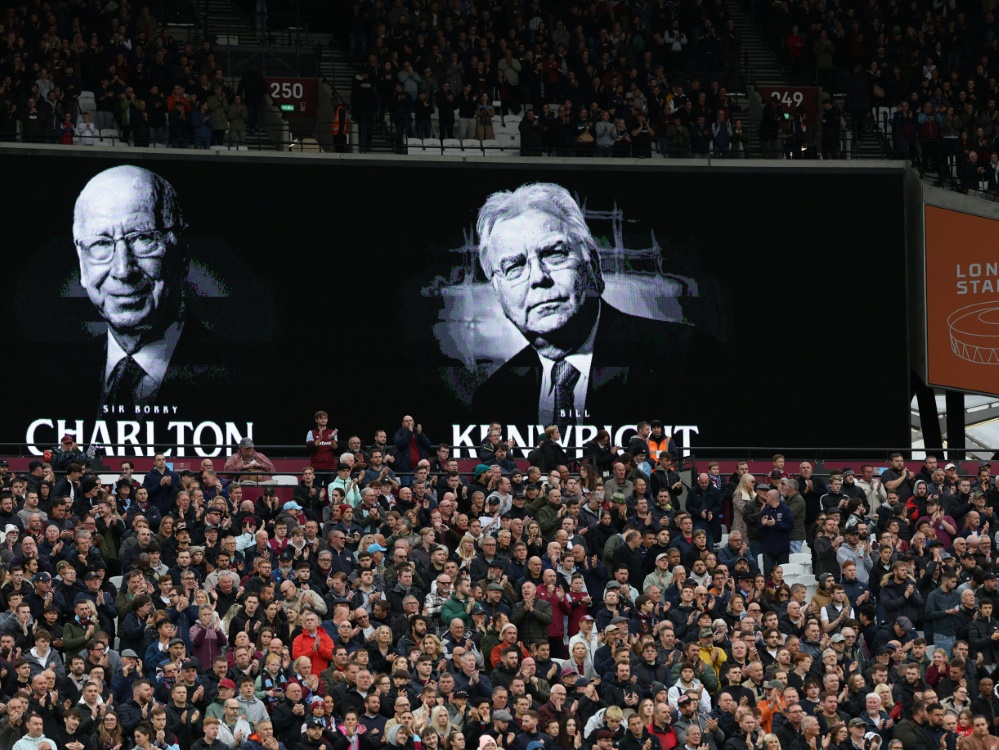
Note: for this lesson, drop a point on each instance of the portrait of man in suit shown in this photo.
(583, 355)
(129, 235)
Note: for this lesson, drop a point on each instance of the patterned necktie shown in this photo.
(564, 379)
(123, 386)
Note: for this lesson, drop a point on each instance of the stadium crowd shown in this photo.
(73, 73)
(925, 73)
(396, 601)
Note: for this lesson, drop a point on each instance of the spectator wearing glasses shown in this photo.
(133, 264)
(435, 601)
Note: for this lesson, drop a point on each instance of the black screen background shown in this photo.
(331, 256)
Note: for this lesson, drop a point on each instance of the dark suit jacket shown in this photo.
(202, 370)
(630, 356)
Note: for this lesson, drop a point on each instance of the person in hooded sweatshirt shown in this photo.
(401, 738)
(35, 739)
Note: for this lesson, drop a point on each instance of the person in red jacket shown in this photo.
(555, 595)
(322, 445)
(314, 643)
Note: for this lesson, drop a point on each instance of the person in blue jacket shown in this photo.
(777, 523)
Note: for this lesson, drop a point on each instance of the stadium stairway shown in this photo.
(763, 67)
(797, 570)
(338, 75)
(229, 24)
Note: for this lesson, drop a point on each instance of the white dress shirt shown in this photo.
(582, 359)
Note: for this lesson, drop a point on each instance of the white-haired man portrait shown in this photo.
(128, 231)
(582, 354)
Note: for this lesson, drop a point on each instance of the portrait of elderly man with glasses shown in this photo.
(128, 230)
(583, 355)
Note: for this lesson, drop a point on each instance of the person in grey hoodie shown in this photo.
(606, 134)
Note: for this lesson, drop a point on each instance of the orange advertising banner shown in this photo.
(962, 301)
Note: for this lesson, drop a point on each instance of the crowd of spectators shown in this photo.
(597, 79)
(923, 73)
(79, 73)
(396, 601)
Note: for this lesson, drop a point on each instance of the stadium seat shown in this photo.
(791, 569)
(453, 143)
(799, 558)
(492, 148)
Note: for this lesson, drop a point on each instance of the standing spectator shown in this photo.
(740, 141)
(218, 106)
(826, 546)
(830, 120)
(445, 102)
(252, 88)
(411, 445)
(641, 136)
(66, 130)
(777, 521)
(322, 445)
(237, 121)
(178, 113)
(423, 109)
(700, 139)
(401, 108)
(721, 136)
(484, 119)
(795, 53)
(771, 122)
(31, 123)
(85, 131)
(929, 139)
(467, 106)
(157, 110)
(678, 139)
(606, 135)
(531, 134)
(201, 122)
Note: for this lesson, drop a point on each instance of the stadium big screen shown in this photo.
(185, 301)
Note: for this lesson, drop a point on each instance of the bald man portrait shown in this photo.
(129, 233)
(584, 357)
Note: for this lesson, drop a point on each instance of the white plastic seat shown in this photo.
(452, 143)
(793, 569)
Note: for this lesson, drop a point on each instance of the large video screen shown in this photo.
(962, 313)
(187, 302)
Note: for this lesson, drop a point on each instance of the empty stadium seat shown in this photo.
(492, 148)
